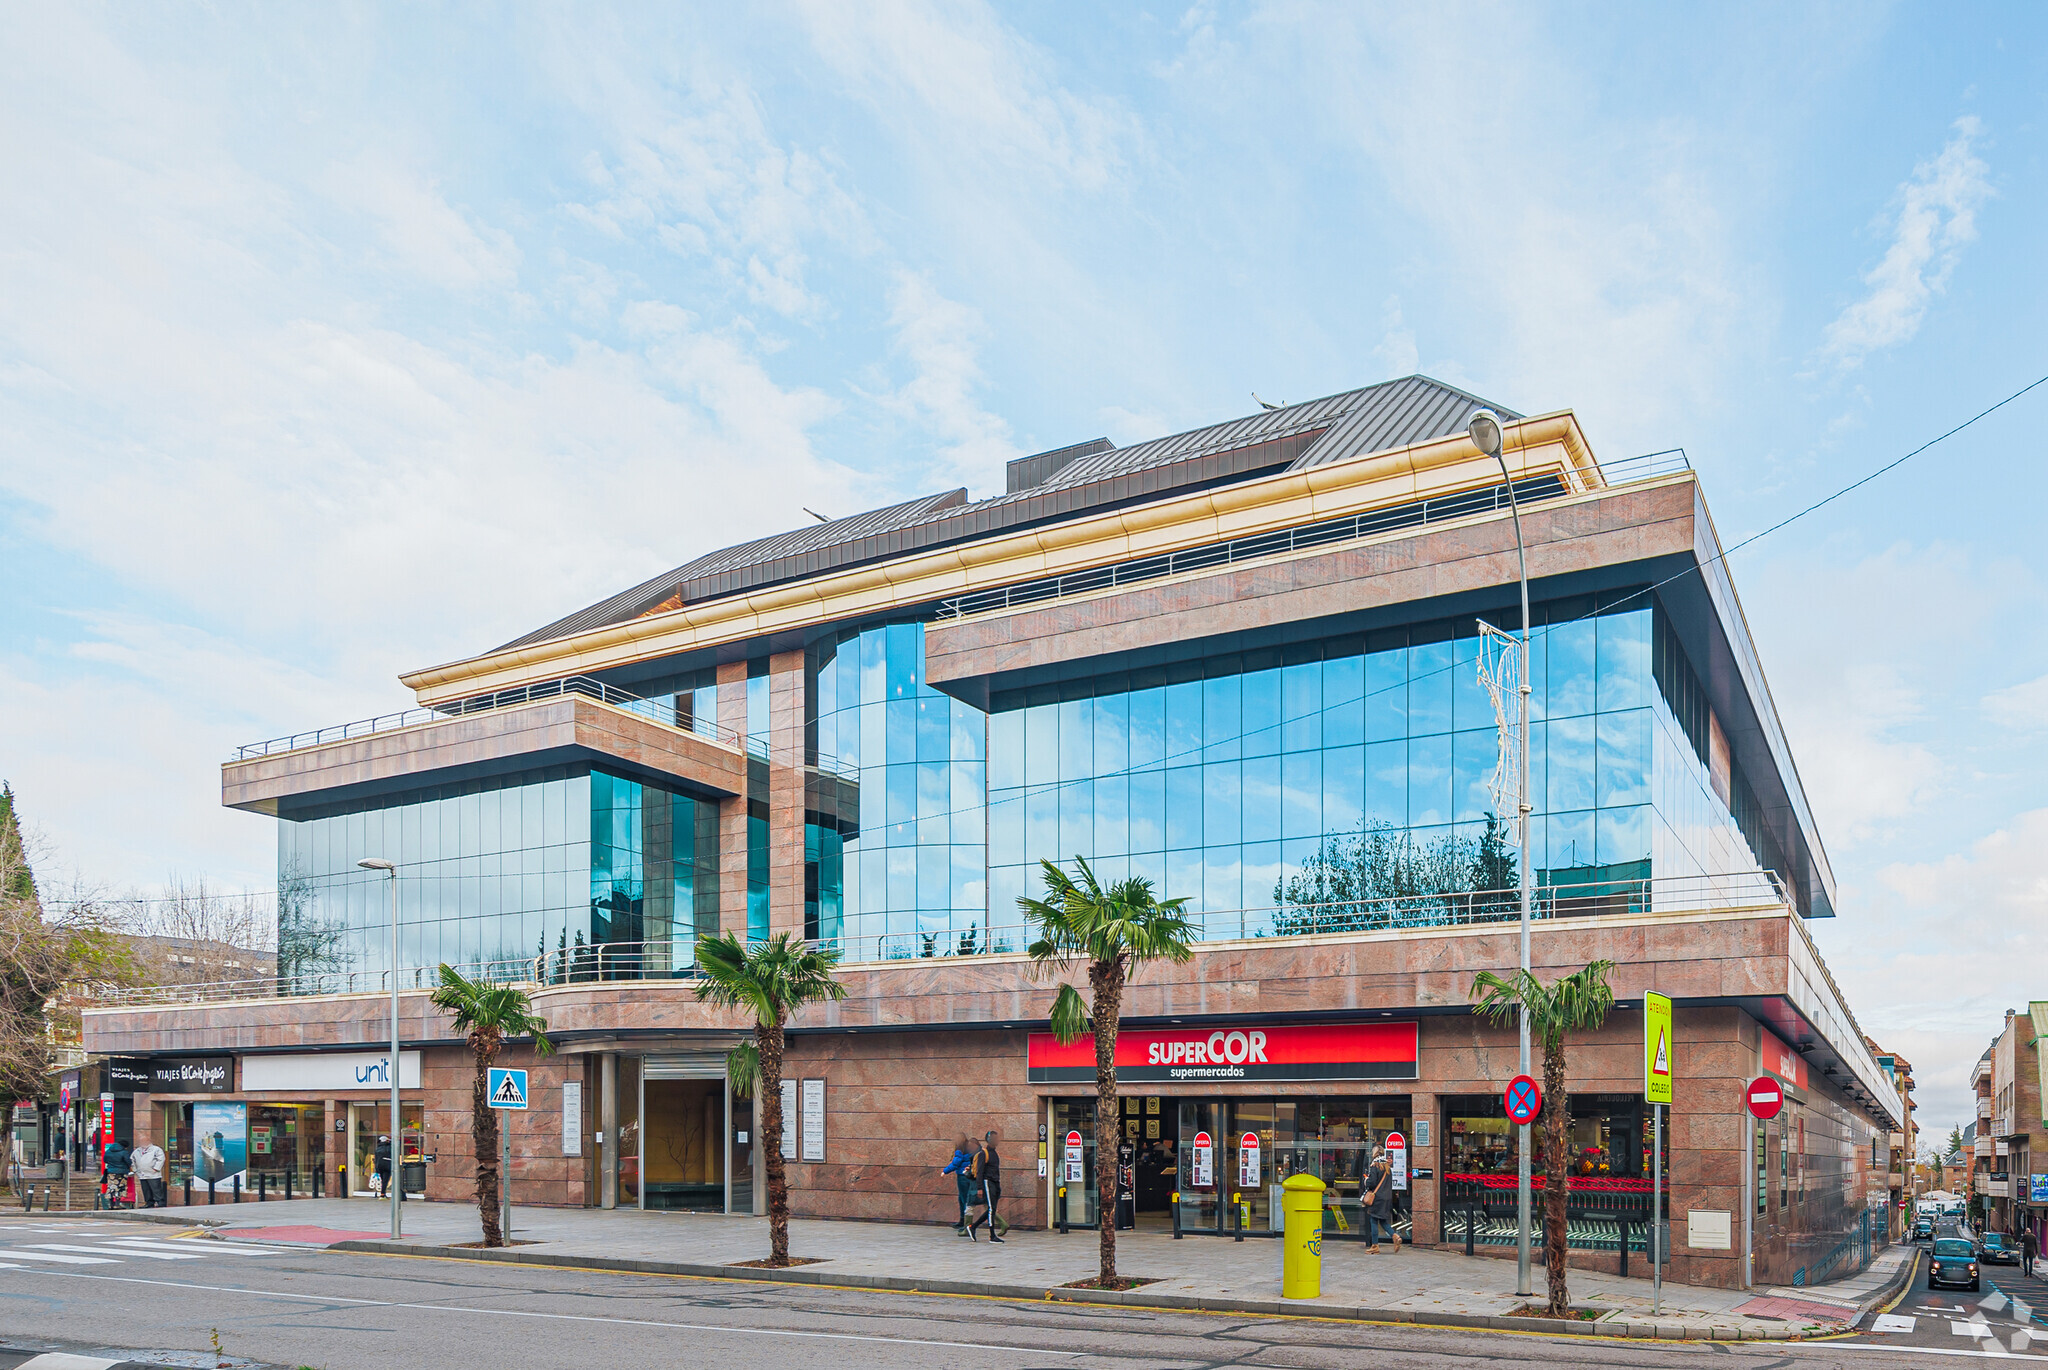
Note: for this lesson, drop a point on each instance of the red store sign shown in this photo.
(1319, 1051)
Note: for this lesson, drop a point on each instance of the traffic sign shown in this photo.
(1656, 1049)
(1523, 1100)
(1765, 1097)
(506, 1088)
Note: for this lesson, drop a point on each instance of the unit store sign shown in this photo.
(1294, 1051)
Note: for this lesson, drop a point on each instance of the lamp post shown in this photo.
(377, 863)
(1484, 428)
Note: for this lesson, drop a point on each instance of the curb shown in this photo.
(1890, 1290)
(1133, 1299)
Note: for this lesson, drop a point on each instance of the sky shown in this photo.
(341, 341)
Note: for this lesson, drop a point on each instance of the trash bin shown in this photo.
(1301, 1270)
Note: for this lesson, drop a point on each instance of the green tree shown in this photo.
(486, 1013)
(1578, 1002)
(770, 979)
(1954, 1153)
(42, 951)
(1113, 932)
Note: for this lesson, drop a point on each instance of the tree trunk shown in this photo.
(1106, 981)
(768, 1035)
(1557, 1180)
(483, 1130)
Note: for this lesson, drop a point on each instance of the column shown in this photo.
(732, 813)
(608, 1127)
(786, 792)
(1425, 1196)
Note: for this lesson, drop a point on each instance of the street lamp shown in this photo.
(397, 1181)
(1484, 428)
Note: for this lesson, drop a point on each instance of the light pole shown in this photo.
(1484, 428)
(397, 1180)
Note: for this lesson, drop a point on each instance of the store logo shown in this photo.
(377, 1073)
(1232, 1048)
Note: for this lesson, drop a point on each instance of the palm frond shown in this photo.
(743, 1069)
(770, 979)
(491, 1008)
(1069, 1016)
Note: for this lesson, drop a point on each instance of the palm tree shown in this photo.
(770, 979)
(487, 1013)
(1115, 931)
(1577, 1003)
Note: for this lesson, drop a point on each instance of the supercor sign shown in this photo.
(1314, 1051)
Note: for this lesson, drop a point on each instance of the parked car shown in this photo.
(1998, 1249)
(1923, 1229)
(1954, 1264)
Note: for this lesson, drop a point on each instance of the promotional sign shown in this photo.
(167, 1075)
(572, 1118)
(1656, 1049)
(1333, 1051)
(329, 1070)
(505, 1088)
(1765, 1097)
(1782, 1061)
(1397, 1159)
(220, 1143)
(813, 1120)
(106, 1120)
(1248, 1161)
(1072, 1172)
(1523, 1100)
(1205, 1163)
(789, 1120)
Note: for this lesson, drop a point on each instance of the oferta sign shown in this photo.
(1318, 1051)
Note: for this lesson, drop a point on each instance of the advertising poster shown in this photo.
(220, 1143)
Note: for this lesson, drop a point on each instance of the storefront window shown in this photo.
(1082, 1198)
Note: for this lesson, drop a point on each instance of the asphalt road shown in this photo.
(2008, 1317)
(129, 1289)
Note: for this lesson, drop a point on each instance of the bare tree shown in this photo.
(308, 946)
(194, 934)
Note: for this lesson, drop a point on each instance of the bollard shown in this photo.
(1176, 1215)
(48, 1189)
(28, 1198)
(1471, 1193)
(1062, 1201)
(1301, 1271)
(288, 1184)
(262, 1185)
(210, 1190)
(238, 1186)
(188, 1191)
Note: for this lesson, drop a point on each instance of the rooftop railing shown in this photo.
(662, 711)
(1368, 915)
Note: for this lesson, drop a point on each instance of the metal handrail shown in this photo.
(653, 710)
(603, 962)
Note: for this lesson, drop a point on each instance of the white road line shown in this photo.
(118, 1251)
(566, 1317)
(1789, 1347)
(197, 1246)
(66, 1260)
(1969, 1329)
(64, 1360)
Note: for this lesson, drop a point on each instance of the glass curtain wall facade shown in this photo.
(544, 862)
(912, 872)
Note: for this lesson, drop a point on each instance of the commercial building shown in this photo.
(1242, 662)
(2010, 1180)
(1902, 1145)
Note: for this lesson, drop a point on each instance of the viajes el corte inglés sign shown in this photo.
(1313, 1051)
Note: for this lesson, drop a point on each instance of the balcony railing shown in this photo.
(1365, 916)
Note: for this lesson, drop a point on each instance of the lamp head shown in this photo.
(376, 863)
(1484, 429)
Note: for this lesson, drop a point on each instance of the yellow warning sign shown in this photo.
(1656, 1049)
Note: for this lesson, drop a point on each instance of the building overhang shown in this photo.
(566, 729)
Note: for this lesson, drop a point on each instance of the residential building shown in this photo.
(1902, 1146)
(2017, 1131)
(1242, 662)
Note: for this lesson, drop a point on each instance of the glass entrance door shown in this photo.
(368, 1122)
(740, 1129)
(683, 1126)
(1201, 1155)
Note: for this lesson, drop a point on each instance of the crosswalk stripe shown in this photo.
(192, 1248)
(61, 1260)
(118, 1251)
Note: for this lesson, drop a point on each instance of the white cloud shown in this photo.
(1396, 354)
(2022, 707)
(428, 236)
(1937, 215)
(1938, 950)
(938, 338)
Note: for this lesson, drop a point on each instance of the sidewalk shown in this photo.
(1441, 1286)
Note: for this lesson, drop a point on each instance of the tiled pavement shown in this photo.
(1419, 1284)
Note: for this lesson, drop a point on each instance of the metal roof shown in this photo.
(1068, 484)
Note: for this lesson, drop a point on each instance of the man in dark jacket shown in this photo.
(2029, 1248)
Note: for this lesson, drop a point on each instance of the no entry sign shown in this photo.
(1765, 1097)
(1523, 1100)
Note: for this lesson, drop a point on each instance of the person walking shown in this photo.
(2029, 1246)
(147, 1161)
(988, 1179)
(1378, 1191)
(380, 1164)
(961, 1168)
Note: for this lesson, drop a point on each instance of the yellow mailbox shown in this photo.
(1301, 1270)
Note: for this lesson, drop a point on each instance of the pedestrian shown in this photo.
(147, 1161)
(988, 1179)
(1378, 1203)
(380, 1166)
(961, 1168)
(2029, 1245)
(114, 1172)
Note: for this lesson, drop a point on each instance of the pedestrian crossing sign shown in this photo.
(1656, 1049)
(507, 1088)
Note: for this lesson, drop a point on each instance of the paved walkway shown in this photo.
(1420, 1284)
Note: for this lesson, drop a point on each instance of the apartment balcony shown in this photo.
(1984, 1107)
(1993, 1186)
(1895, 1140)
(1980, 1074)
(1982, 1147)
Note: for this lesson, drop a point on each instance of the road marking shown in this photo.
(64, 1360)
(1969, 1329)
(193, 1248)
(1893, 1322)
(65, 1260)
(1994, 1301)
(117, 1251)
(549, 1317)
